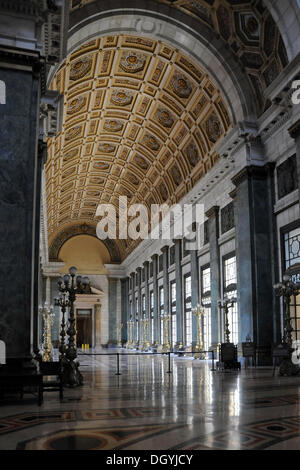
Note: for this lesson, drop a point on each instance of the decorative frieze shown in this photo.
(287, 180)
(227, 218)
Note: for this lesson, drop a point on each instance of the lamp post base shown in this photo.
(72, 376)
(287, 368)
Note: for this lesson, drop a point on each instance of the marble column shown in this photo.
(167, 311)
(20, 71)
(213, 233)
(132, 275)
(139, 297)
(155, 298)
(255, 269)
(165, 252)
(195, 292)
(124, 308)
(295, 134)
(38, 281)
(112, 311)
(97, 310)
(147, 302)
(179, 299)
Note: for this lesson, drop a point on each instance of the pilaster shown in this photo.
(255, 269)
(155, 297)
(179, 299)
(213, 231)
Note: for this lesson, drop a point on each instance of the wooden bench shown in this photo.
(16, 380)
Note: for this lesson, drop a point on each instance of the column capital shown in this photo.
(233, 194)
(249, 172)
(294, 131)
(132, 275)
(138, 270)
(212, 212)
(165, 249)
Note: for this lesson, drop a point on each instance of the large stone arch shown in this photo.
(203, 39)
(286, 14)
(171, 26)
(76, 230)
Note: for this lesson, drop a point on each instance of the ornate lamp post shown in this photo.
(48, 317)
(63, 303)
(146, 344)
(119, 335)
(199, 312)
(130, 326)
(225, 305)
(71, 285)
(287, 289)
(166, 346)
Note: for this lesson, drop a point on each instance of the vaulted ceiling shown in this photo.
(246, 27)
(140, 120)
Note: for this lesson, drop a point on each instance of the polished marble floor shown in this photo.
(193, 408)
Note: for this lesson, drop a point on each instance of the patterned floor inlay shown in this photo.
(147, 409)
(254, 436)
(95, 438)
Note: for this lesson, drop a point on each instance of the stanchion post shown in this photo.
(169, 362)
(213, 361)
(118, 364)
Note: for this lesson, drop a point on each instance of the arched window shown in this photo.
(2, 92)
(2, 353)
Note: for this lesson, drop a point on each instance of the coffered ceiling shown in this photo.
(140, 120)
(246, 27)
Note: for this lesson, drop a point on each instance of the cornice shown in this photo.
(249, 172)
(294, 131)
(212, 212)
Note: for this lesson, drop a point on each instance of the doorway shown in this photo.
(84, 326)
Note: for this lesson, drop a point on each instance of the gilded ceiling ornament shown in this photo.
(97, 180)
(133, 179)
(163, 191)
(141, 162)
(176, 175)
(106, 148)
(121, 97)
(132, 62)
(80, 68)
(181, 86)
(164, 117)
(101, 166)
(76, 105)
(213, 128)
(73, 132)
(192, 154)
(93, 193)
(71, 154)
(151, 142)
(113, 125)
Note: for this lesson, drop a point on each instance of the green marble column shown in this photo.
(155, 298)
(213, 231)
(139, 297)
(255, 232)
(124, 308)
(195, 291)
(20, 70)
(179, 298)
